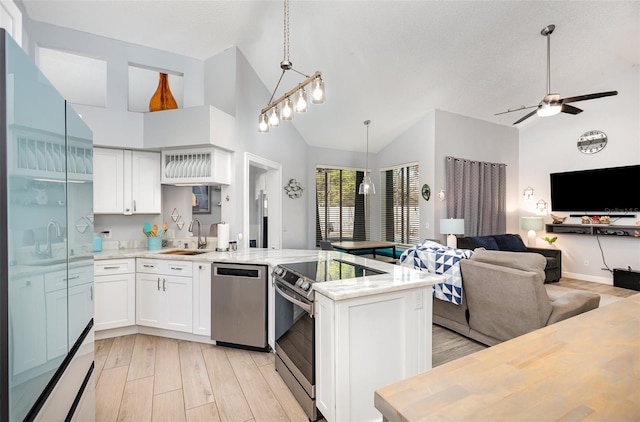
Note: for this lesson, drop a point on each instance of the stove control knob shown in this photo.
(279, 270)
(299, 282)
(305, 286)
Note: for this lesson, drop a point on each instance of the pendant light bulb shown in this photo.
(274, 119)
(287, 109)
(301, 100)
(318, 95)
(367, 187)
(263, 124)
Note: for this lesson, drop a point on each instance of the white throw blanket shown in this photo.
(439, 259)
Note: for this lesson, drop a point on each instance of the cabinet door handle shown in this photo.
(199, 267)
(176, 268)
(111, 268)
(158, 283)
(75, 277)
(148, 266)
(91, 293)
(164, 284)
(134, 205)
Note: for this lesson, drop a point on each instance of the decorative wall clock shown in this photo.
(592, 141)
(426, 192)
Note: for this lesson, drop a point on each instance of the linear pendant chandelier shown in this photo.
(296, 99)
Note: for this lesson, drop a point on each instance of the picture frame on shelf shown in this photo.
(200, 200)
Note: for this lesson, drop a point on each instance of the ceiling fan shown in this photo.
(552, 104)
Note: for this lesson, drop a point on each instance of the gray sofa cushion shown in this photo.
(517, 260)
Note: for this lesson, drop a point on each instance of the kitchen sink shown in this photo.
(184, 252)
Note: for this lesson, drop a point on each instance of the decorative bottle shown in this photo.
(162, 99)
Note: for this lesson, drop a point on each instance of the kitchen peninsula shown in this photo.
(370, 331)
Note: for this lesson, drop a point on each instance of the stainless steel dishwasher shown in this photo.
(239, 305)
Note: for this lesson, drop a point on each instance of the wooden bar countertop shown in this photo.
(586, 367)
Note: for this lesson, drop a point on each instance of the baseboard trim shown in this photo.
(586, 277)
(140, 329)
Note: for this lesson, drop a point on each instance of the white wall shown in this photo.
(549, 145)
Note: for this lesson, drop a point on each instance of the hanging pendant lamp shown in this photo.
(367, 187)
(300, 103)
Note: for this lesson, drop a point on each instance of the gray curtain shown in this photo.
(477, 192)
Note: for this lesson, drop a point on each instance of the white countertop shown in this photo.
(396, 278)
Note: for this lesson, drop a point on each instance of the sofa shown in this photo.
(504, 297)
(514, 243)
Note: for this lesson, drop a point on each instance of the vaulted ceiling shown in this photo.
(388, 61)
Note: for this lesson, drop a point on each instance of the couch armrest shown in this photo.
(551, 253)
(571, 304)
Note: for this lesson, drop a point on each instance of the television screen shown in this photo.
(607, 190)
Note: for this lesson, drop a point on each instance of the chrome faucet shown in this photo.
(48, 253)
(201, 242)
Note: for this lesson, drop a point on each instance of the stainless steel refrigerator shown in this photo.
(46, 252)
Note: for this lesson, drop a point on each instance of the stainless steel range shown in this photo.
(294, 323)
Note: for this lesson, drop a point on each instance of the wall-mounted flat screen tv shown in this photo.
(606, 190)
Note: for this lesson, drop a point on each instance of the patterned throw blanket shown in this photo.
(439, 259)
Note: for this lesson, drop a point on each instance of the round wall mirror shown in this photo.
(592, 141)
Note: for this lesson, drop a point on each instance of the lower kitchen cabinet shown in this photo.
(202, 298)
(365, 343)
(163, 300)
(115, 292)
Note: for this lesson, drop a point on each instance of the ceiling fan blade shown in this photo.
(588, 97)
(525, 117)
(511, 110)
(566, 108)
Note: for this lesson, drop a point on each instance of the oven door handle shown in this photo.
(308, 308)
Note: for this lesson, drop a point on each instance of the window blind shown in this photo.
(400, 204)
(341, 214)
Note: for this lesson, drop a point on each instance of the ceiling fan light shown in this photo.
(547, 110)
(318, 95)
(301, 100)
(263, 124)
(287, 109)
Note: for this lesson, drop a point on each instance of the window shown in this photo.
(400, 204)
(341, 214)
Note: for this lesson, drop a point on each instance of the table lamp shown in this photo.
(532, 224)
(451, 227)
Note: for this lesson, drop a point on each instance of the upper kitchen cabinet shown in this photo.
(207, 166)
(126, 182)
(189, 127)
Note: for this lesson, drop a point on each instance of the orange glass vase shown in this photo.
(162, 99)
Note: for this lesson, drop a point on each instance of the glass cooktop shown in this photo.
(334, 269)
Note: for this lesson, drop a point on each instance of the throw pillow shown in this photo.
(510, 242)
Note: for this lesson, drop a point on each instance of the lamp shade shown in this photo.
(531, 223)
(452, 226)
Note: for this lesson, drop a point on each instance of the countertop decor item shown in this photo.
(162, 99)
(557, 220)
(550, 240)
(300, 102)
(532, 224)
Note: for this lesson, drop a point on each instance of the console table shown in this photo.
(594, 229)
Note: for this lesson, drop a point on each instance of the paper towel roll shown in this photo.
(223, 237)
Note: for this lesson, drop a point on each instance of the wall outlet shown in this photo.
(586, 262)
(106, 234)
(426, 225)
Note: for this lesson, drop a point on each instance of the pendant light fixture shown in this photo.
(367, 187)
(297, 98)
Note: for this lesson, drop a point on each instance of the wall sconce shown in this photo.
(541, 207)
(527, 195)
(441, 195)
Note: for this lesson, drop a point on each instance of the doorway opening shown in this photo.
(262, 202)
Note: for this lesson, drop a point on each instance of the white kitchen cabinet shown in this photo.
(126, 182)
(115, 292)
(196, 165)
(164, 300)
(202, 298)
(28, 316)
(365, 343)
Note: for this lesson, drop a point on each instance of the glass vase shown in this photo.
(162, 99)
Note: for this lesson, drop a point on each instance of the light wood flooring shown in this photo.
(146, 378)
